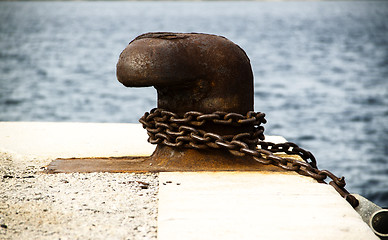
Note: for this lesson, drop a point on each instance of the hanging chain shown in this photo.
(167, 128)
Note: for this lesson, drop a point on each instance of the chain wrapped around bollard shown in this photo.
(167, 128)
(205, 108)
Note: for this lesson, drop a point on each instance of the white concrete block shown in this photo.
(253, 205)
(45, 141)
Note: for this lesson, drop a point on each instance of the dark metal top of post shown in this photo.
(191, 72)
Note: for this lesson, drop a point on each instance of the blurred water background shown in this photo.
(321, 70)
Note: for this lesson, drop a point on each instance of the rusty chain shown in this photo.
(164, 127)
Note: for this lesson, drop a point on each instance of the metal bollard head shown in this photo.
(191, 71)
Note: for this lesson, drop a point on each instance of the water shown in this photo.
(321, 70)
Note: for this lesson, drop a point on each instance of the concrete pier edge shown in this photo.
(171, 205)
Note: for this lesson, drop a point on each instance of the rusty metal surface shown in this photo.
(148, 164)
(105, 164)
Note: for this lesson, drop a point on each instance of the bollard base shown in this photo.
(184, 160)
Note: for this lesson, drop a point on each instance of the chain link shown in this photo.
(164, 127)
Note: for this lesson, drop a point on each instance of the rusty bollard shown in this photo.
(193, 72)
(205, 87)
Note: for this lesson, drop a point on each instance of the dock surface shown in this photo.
(170, 205)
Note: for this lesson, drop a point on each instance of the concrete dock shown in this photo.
(170, 205)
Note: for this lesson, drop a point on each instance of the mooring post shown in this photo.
(193, 72)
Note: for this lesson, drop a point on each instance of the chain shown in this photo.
(164, 127)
